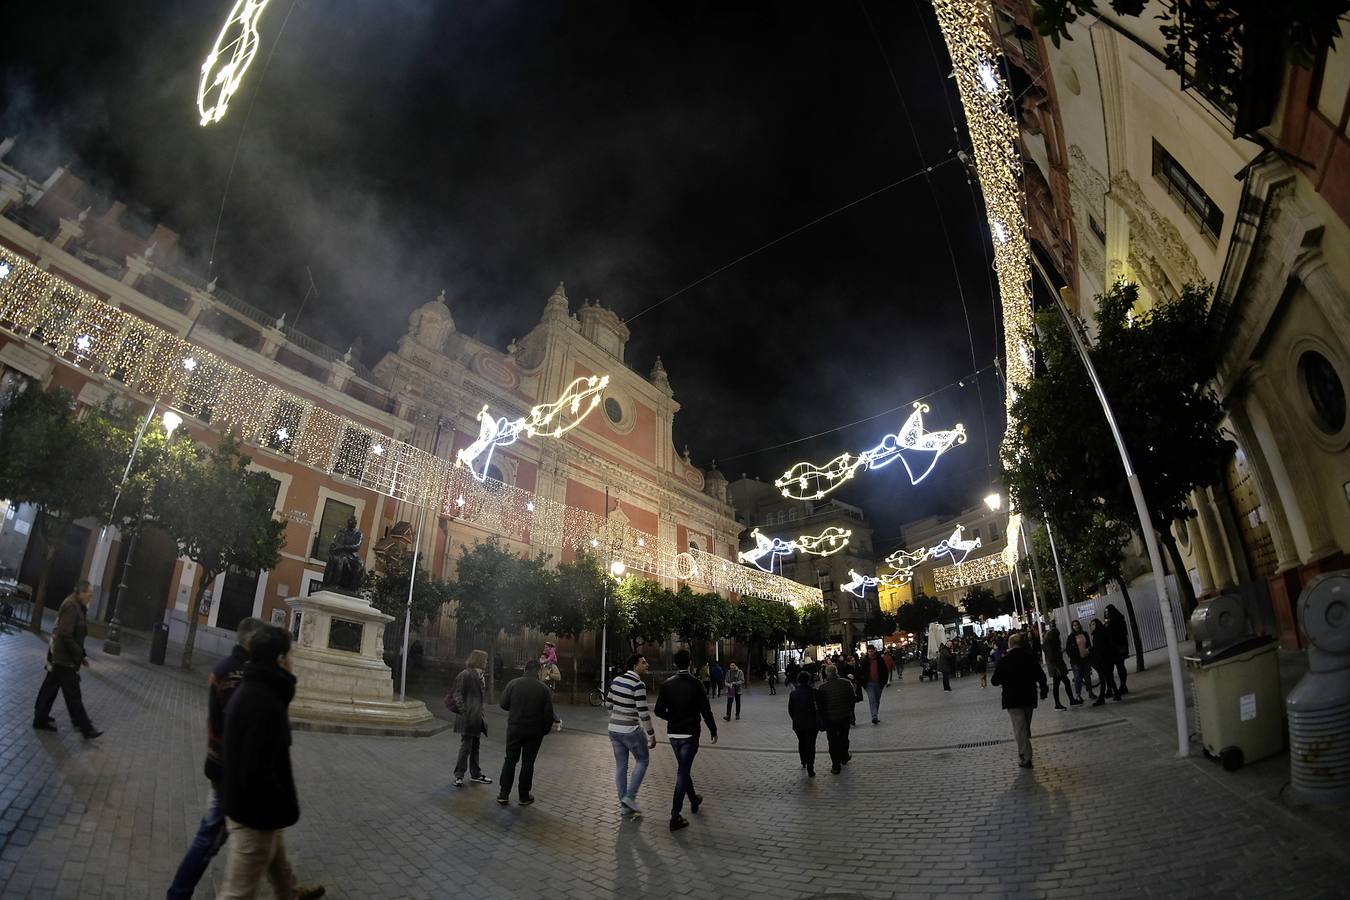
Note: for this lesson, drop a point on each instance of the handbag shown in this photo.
(452, 704)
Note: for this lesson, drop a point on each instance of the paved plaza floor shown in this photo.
(932, 805)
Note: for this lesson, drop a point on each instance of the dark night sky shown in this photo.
(628, 149)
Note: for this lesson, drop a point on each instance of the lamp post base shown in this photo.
(112, 644)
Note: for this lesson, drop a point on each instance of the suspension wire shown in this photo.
(959, 382)
(800, 228)
(942, 222)
(243, 129)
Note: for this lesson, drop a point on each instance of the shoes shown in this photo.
(695, 802)
(726, 718)
(946, 689)
(1061, 706)
(503, 801)
(1118, 698)
(308, 892)
(459, 782)
(1100, 701)
(810, 771)
(738, 717)
(44, 725)
(630, 803)
(834, 769)
(678, 822)
(481, 779)
(1124, 689)
(1078, 702)
(876, 721)
(90, 734)
(526, 800)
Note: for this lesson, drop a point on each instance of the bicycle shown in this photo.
(596, 697)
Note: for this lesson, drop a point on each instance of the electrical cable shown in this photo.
(781, 238)
(959, 382)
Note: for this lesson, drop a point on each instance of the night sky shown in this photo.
(628, 149)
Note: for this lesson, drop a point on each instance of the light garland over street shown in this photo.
(544, 420)
(829, 541)
(970, 573)
(238, 40)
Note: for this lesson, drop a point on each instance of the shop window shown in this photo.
(335, 516)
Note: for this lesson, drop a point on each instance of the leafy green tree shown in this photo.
(67, 467)
(915, 616)
(219, 513)
(495, 590)
(1155, 367)
(701, 618)
(387, 587)
(813, 625)
(648, 612)
(576, 599)
(879, 622)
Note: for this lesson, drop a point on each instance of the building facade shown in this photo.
(932, 577)
(1134, 173)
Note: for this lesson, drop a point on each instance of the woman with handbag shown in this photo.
(466, 700)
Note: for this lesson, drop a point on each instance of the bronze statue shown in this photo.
(345, 570)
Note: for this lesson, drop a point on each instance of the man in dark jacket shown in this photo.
(805, 721)
(211, 833)
(64, 660)
(872, 675)
(836, 698)
(682, 702)
(258, 789)
(1020, 673)
(529, 704)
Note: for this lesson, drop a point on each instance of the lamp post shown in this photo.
(112, 644)
(1141, 509)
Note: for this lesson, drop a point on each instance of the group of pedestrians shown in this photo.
(1100, 649)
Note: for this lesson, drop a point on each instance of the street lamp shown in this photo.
(617, 568)
(112, 644)
(994, 501)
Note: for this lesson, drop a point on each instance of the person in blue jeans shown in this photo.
(682, 702)
(628, 720)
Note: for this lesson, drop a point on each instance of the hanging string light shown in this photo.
(968, 574)
(548, 419)
(229, 59)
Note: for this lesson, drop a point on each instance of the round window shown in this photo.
(613, 410)
(1325, 390)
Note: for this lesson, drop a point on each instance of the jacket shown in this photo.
(735, 680)
(946, 660)
(802, 709)
(1054, 652)
(1103, 654)
(835, 699)
(864, 671)
(224, 678)
(682, 702)
(717, 672)
(259, 790)
(1020, 675)
(68, 636)
(1071, 647)
(1118, 632)
(468, 691)
(529, 704)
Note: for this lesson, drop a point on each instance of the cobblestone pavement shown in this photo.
(1106, 812)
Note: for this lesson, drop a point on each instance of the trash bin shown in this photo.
(1236, 690)
(159, 643)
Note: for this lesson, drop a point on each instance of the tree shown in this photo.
(67, 467)
(648, 612)
(495, 591)
(981, 601)
(813, 625)
(701, 618)
(1155, 367)
(575, 601)
(916, 615)
(879, 623)
(219, 513)
(387, 588)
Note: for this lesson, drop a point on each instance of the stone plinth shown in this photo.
(338, 660)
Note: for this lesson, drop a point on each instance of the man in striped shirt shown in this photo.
(627, 702)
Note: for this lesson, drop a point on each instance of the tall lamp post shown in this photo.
(112, 645)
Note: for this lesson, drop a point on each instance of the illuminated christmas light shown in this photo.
(772, 548)
(83, 343)
(831, 540)
(904, 562)
(530, 506)
(988, 78)
(238, 39)
(807, 481)
(971, 573)
(4, 271)
(283, 435)
(953, 545)
(190, 364)
(496, 432)
(377, 449)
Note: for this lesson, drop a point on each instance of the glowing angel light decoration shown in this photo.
(904, 562)
(766, 548)
(221, 76)
(545, 420)
(807, 481)
(951, 546)
(831, 540)
(857, 585)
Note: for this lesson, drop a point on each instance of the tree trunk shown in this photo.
(492, 667)
(1184, 587)
(1134, 625)
(40, 592)
(190, 638)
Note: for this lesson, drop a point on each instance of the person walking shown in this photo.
(1103, 659)
(258, 789)
(682, 703)
(1119, 634)
(467, 694)
(1079, 652)
(718, 675)
(65, 658)
(705, 676)
(735, 683)
(628, 718)
(529, 706)
(803, 710)
(771, 676)
(946, 664)
(872, 675)
(835, 698)
(211, 833)
(1019, 674)
(979, 660)
(1054, 661)
(549, 672)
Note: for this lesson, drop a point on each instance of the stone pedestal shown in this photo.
(339, 665)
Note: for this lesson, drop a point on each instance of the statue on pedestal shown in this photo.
(345, 571)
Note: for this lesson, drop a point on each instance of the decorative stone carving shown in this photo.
(1087, 195)
(661, 379)
(430, 324)
(1156, 236)
(556, 307)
